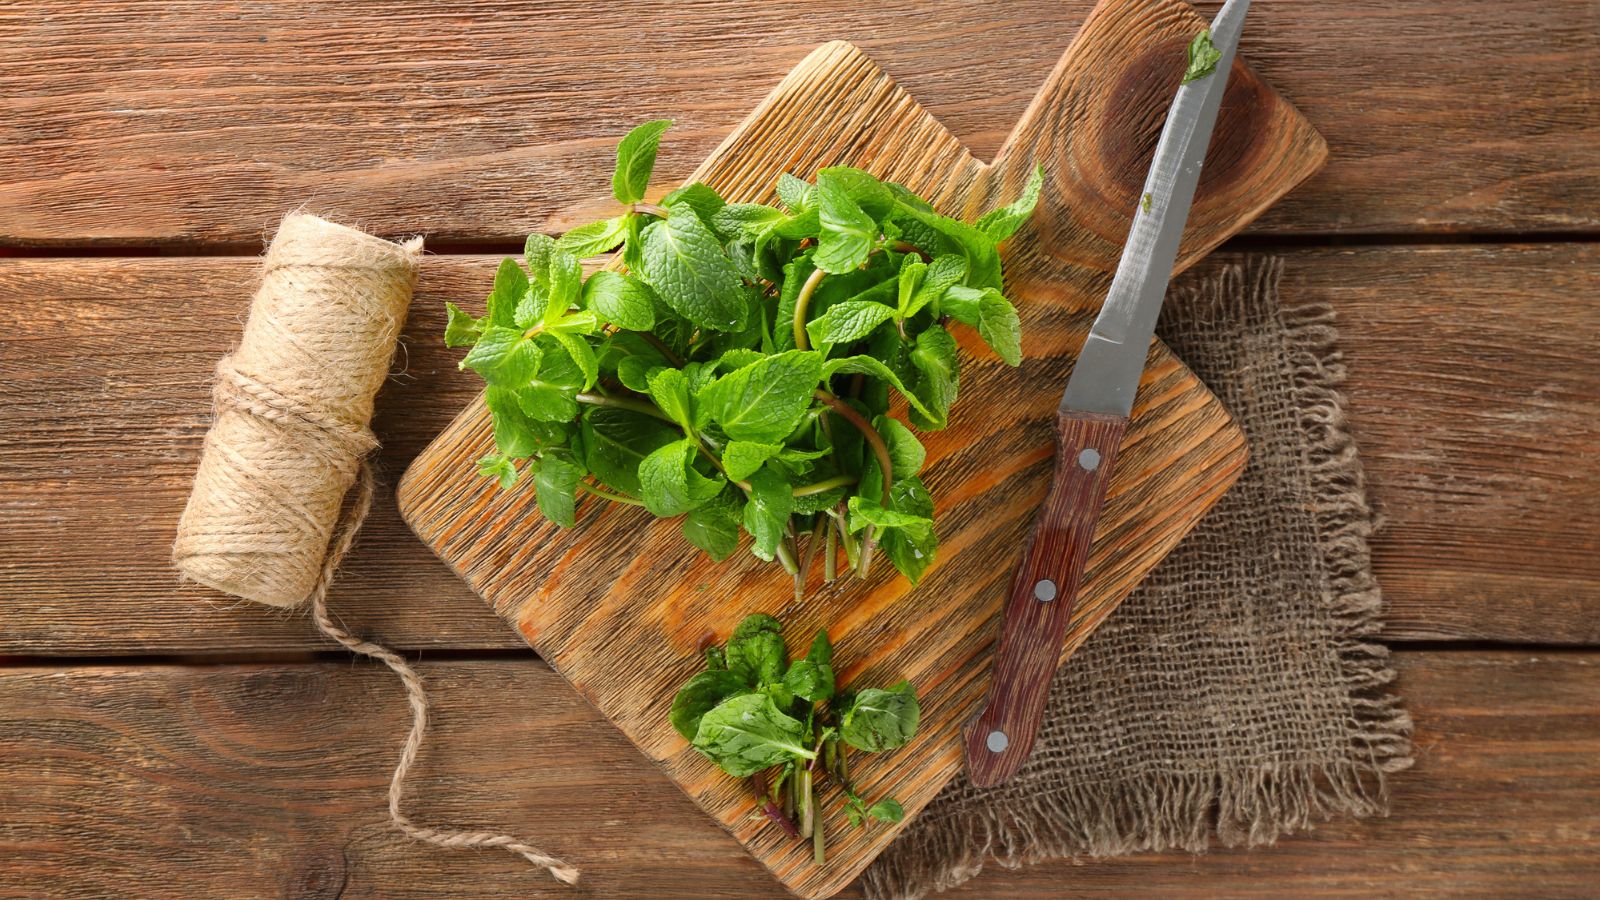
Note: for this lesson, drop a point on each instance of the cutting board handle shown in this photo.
(1093, 128)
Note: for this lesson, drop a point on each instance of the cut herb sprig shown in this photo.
(740, 371)
(788, 725)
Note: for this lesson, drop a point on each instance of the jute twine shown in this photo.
(291, 436)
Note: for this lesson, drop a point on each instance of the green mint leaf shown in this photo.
(510, 285)
(911, 273)
(795, 193)
(503, 357)
(854, 815)
(634, 373)
(595, 238)
(906, 453)
(935, 380)
(747, 733)
(684, 263)
(557, 484)
(636, 158)
(766, 400)
(848, 233)
(766, 516)
(621, 300)
(756, 651)
(536, 253)
(881, 719)
(714, 526)
(715, 658)
(911, 550)
(809, 679)
(705, 201)
(563, 283)
(953, 236)
(992, 314)
(1002, 223)
(615, 441)
(1000, 327)
(887, 810)
(1203, 57)
(874, 368)
(633, 244)
(747, 220)
(515, 434)
(821, 648)
(670, 390)
(462, 329)
(943, 273)
(668, 482)
(582, 354)
(1144, 202)
(737, 359)
(700, 695)
(962, 303)
(864, 512)
(500, 468)
(742, 458)
(874, 197)
(848, 321)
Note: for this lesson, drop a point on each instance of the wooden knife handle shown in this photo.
(1000, 738)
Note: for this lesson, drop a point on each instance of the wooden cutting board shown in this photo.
(621, 605)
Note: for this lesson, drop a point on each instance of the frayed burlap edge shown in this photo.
(1246, 807)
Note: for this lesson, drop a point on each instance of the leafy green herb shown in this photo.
(1144, 202)
(743, 365)
(1203, 57)
(787, 726)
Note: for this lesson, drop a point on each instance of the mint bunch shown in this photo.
(785, 725)
(741, 371)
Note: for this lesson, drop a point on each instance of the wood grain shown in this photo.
(104, 393)
(622, 606)
(268, 781)
(1475, 397)
(139, 122)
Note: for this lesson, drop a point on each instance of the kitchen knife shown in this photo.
(1089, 426)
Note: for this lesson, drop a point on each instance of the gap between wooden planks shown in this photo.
(482, 123)
(257, 780)
(1472, 392)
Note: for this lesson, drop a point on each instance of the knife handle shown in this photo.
(999, 739)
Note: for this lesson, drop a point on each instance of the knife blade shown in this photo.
(1090, 423)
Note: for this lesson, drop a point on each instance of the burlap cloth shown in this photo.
(1237, 693)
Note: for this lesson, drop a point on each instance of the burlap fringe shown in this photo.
(1244, 807)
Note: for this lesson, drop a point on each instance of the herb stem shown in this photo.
(874, 439)
(771, 809)
(817, 854)
(808, 805)
(905, 247)
(801, 302)
(638, 406)
(607, 495)
(659, 344)
(830, 562)
(787, 558)
(650, 209)
(823, 486)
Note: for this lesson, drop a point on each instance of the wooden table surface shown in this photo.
(154, 742)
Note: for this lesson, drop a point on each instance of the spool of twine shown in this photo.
(290, 437)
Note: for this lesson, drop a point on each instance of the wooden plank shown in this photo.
(1475, 397)
(621, 605)
(261, 780)
(104, 366)
(142, 123)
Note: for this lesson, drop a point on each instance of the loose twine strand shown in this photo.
(267, 519)
(443, 837)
